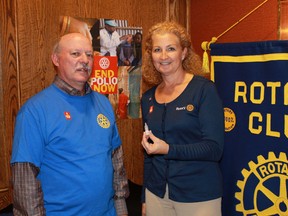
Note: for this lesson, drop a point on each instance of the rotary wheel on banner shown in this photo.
(264, 188)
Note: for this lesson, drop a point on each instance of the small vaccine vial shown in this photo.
(146, 128)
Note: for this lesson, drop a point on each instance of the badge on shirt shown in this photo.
(151, 109)
(67, 115)
(103, 121)
(190, 107)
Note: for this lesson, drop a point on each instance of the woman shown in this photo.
(185, 139)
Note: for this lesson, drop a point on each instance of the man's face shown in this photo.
(74, 60)
(110, 29)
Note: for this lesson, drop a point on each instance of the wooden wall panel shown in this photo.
(283, 19)
(179, 11)
(34, 44)
(8, 94)
(28, 30)
(131, 135)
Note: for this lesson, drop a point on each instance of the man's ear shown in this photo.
(55, 59)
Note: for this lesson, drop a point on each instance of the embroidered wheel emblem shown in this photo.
(103, 121)
(190, 107)
(269, 179)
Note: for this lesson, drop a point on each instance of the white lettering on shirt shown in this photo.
(180, 108)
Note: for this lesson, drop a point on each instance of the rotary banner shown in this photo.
(252, 80)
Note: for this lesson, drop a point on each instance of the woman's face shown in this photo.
(167, 53)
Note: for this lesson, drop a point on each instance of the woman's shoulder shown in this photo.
(150, 92)
(199, 78)
(148, 95)
(202, 81)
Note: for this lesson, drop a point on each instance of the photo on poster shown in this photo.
(117, 60)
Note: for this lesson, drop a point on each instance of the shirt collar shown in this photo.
(64, 86)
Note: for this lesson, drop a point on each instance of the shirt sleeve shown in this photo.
(120, 182)
(27, 191)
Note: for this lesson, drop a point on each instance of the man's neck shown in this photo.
(64, 86)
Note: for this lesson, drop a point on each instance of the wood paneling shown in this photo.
(283, 20)
(131, 135)
(179, 11)
(8, 94)
(28, 29)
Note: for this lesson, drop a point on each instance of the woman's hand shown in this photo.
(158, 147)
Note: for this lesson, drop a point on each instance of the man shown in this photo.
(66, 146)
(110, 39)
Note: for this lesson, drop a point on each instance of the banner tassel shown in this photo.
(205, 62)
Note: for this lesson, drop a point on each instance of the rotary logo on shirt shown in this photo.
(67, 115)
(190, 107)
(103, 121)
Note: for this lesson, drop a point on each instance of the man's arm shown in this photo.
(27, 192)
(120, 182)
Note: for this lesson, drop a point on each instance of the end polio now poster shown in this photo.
(104, 76)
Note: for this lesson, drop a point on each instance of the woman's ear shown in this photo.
(184, 53)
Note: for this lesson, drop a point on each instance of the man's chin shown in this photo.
(84, 77)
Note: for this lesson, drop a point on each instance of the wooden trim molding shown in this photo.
(283, 19)
(179, 11)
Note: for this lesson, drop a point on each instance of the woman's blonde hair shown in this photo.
(191, 63)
